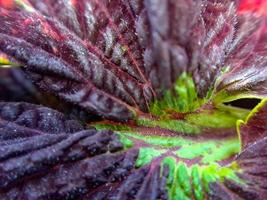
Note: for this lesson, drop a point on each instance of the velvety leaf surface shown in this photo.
(37, 119)
(183, 36)
(14, 86)
(251, 161)
(255, 126)
(144, 183)
(158, 72)
(80, 77)
(247, 60)
(219, 19)
(164, 45)
(113, 57)
(44, 155)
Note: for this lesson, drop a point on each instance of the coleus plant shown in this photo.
(156, 78)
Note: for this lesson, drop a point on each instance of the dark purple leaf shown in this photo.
(255, 127)
(164, 29)
(251, 161)
(33, 120)
(39, 146)
(113, 58)
(144, 183)
(14, 86)
(44, 155)
(216, 30)
(80, 76)
(110, 56)
(247, 60)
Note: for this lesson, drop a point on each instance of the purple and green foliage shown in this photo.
(133, 99)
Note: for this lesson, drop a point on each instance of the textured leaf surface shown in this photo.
(113, 57)
(14, 86)
(255, 126)
(47, 156)
(246, 61)
(242, 179)
(177, 60)
(88, 66)
(251, 161)
(44, 155)
(219, 19)
(36, 118)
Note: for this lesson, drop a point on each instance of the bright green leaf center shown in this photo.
(196, 138)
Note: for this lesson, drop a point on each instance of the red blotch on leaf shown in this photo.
(7, 3)
(259, 6)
